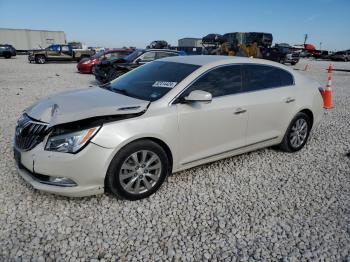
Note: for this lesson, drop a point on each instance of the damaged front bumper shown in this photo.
(73, 175)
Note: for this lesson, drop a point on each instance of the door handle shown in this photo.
(290, 100)
(240, 111)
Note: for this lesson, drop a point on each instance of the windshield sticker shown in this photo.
(164, 84)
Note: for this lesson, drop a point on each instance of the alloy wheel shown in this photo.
(140, 172)
(298, 133)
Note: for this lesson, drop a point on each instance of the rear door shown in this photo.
(66, 52)
(269, 100)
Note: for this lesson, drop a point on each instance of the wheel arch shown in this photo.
(309, 113)
(158, 141)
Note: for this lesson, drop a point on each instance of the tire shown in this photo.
(113, 74)
(7, 55)
(93, 69)
(40, 59)
(291, 142)
(293, 63)
(281, 61)
(131, 167)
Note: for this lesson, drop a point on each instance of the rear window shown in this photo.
(152, 80)
(259, 77)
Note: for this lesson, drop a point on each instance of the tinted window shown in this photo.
(219, 82)
(165, 54)
(286, 78)
(152, 80)
(258, 77)
(55, 48)
(148, 56)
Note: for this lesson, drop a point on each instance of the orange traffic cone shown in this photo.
(330, 69)
(327, 94)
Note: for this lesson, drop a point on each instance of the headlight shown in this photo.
(70, 142)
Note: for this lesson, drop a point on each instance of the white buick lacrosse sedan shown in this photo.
(163, 117)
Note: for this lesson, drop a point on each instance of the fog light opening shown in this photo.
(61, 181)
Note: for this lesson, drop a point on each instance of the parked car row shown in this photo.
(87, 65)
(7, 51)
(109, 69)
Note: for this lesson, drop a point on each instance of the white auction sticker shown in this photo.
(164, 84)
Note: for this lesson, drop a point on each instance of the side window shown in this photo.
(286, 78)
(259, 77)
(148, 57)
(55, 48)
(222, 81)
(165, 54)
(65, 48)
(107, 56)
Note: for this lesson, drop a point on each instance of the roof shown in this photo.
(208, 59)
(214, 60)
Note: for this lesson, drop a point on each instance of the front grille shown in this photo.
(29, 133)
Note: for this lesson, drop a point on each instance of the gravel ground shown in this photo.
(264, 205)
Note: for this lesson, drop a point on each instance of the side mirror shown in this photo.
(199, 96)
(138, 61)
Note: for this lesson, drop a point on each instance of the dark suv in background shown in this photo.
(341, 56)
(7, 51)
(282, 53)
(110, 69)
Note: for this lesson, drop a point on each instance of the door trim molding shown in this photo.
(228, 151)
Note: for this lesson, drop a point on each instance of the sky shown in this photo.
(117, 23)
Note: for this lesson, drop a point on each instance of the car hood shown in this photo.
(83, 104)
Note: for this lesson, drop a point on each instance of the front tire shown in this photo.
(297, 133)
(137, 170)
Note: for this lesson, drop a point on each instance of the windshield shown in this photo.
(133, 55)
(98, 54)
(152, 80)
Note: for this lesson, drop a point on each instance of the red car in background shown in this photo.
(86, 65)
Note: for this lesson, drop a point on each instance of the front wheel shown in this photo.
(137, 170)
(297, 133)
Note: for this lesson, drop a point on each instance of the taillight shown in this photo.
(321, 90)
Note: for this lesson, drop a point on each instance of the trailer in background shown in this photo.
(26, 39)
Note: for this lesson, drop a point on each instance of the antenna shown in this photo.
(305, 38)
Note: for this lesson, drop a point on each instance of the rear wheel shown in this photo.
(297, 133)
(137, 170)
(7, 55)
(40, 59)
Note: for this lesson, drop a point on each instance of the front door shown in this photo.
(209, 129)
